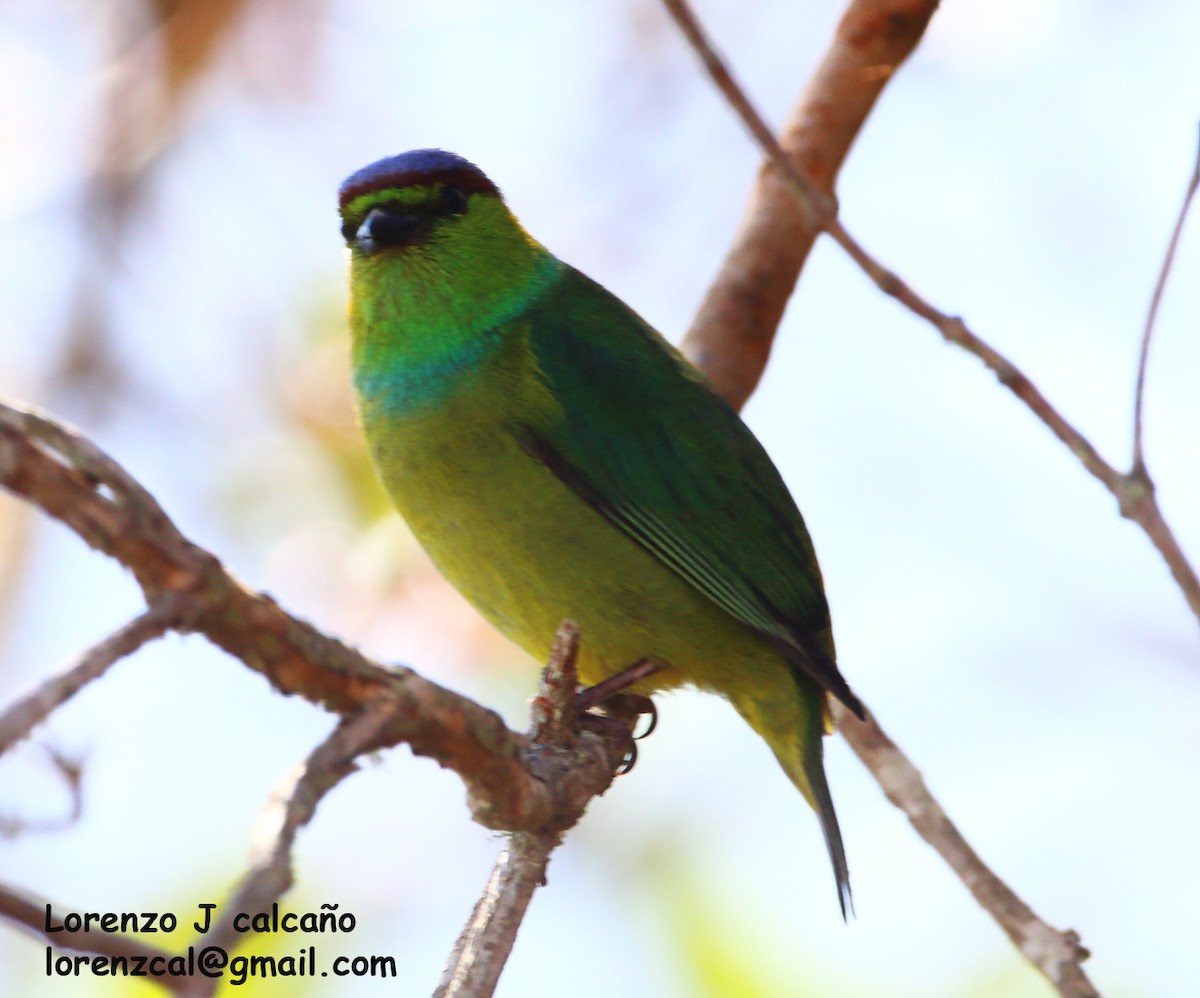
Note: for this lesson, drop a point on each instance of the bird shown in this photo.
(557, 457)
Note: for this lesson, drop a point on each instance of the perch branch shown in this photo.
(535, 785)
(486, 940)
(72, 480)
(484, 945)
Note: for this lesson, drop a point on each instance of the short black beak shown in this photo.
(381, 229)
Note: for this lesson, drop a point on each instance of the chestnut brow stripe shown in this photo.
(468, 181)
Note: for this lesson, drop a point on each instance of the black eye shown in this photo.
(454, 201)
(386, 227)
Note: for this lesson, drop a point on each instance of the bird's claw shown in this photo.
(616, 728)
(621, 710)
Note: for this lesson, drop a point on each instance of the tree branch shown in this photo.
(483, 946)
(289, 809)
(22, 910)
(515, 781)
(19, 719)
(70, 770)
(735, 326)
(1058, 955)
(74, 481)
(536, 785)
(734, 361)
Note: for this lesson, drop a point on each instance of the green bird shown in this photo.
(556, 458)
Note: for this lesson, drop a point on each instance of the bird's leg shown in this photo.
(621, 709)
(606, 689)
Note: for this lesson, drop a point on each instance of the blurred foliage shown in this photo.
(17, 525)
(189, 33)
(158, 56)
(720, 954)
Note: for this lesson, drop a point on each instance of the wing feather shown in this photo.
(650, 446)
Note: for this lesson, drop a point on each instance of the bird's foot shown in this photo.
(620, 709)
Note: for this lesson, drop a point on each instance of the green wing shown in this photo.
(653, 449)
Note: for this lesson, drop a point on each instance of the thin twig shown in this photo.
(291, 807)
(1139, 463)
(820, 204)
(36, 915)
(70, 771)
(26, 713)
(552, 711)
(1057, 954)
(1134, 491)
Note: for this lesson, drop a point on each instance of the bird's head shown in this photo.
(432, 244)
(417, 199)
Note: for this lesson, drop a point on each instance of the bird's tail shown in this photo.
(794, 728)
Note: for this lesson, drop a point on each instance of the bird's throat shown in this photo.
(413, 339)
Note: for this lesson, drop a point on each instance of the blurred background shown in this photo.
(172, 281)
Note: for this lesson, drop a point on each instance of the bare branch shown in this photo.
(486, 940)
(1139, 464)
(557, 746)
(536, 785)
(553, 709)
(70, 771)
(484, 945)
(1057, 954)
(289, 809)
(33, 708)
(1134, 492)
(736, 324)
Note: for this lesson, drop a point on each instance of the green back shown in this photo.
(668, 461)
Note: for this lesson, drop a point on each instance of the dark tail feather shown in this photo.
(794, 728)
(815, 771)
